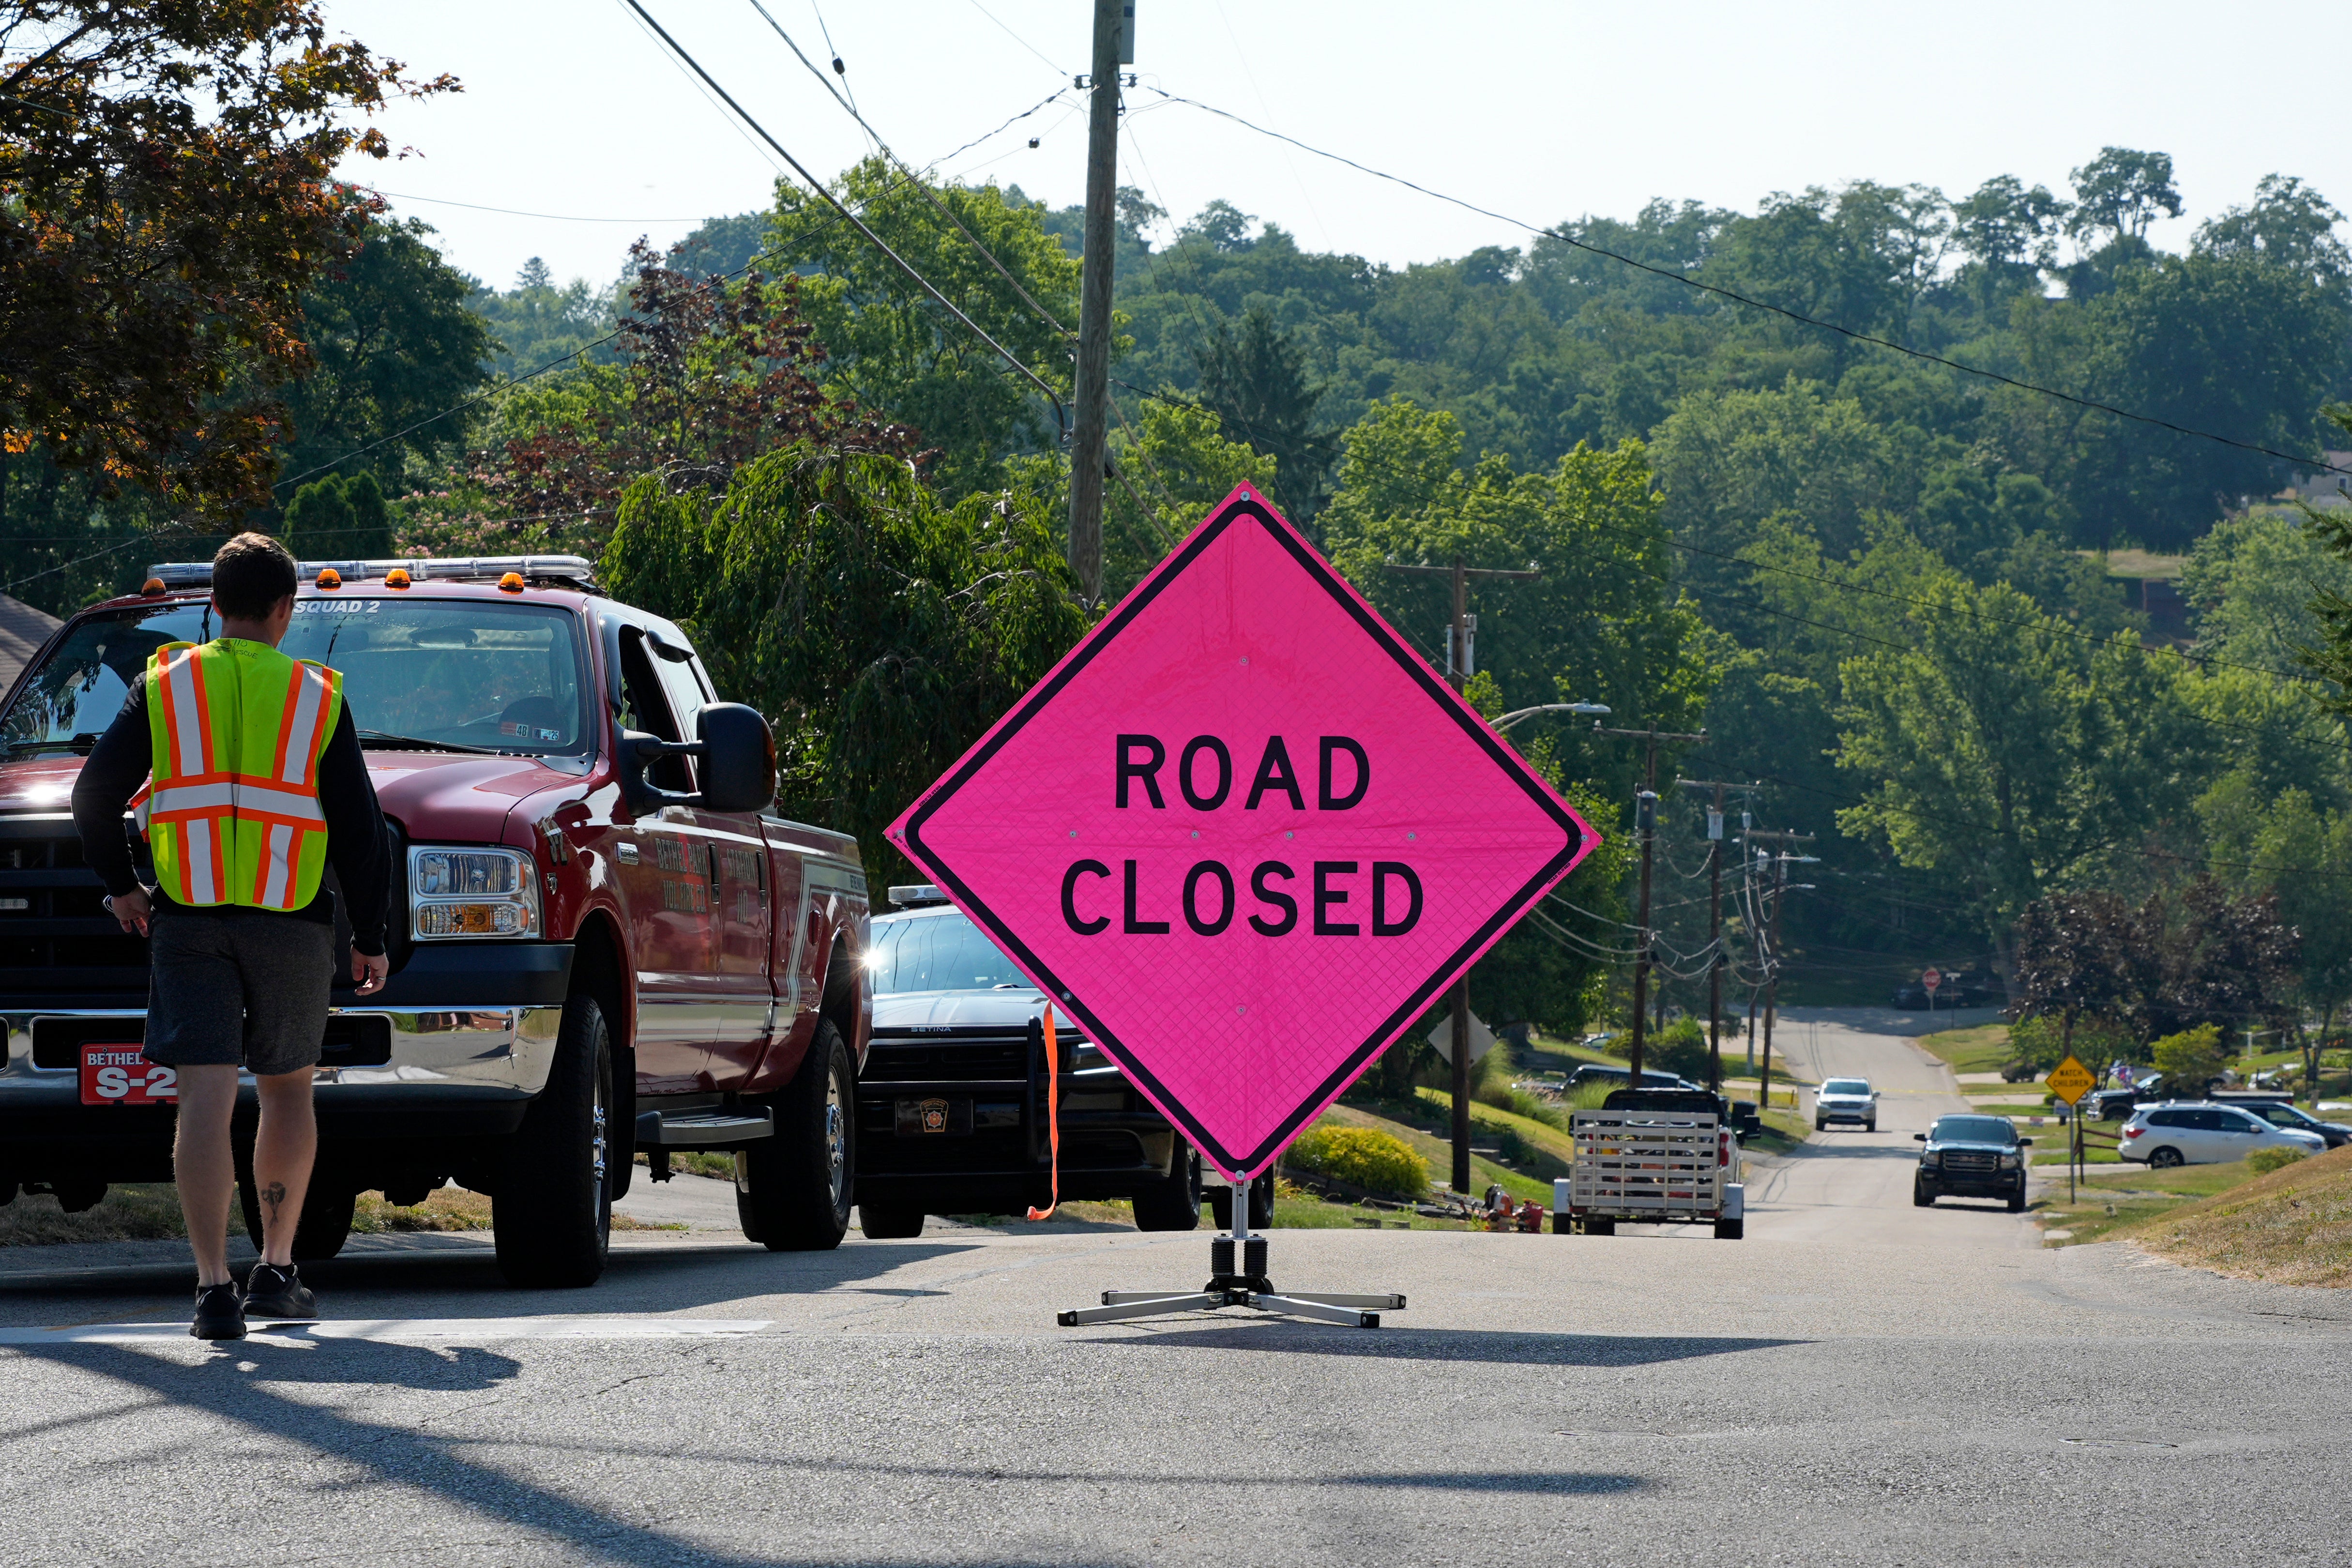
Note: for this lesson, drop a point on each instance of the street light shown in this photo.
(1507, 720)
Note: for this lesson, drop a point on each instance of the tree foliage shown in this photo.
(879, 628)
(164, 206)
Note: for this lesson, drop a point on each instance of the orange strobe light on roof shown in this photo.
(511, 583)
(151, 587)
(395, 578)
(330, 578)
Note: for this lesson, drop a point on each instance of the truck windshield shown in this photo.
(936, 953)
(468, 672)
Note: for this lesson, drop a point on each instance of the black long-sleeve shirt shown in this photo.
(357, 842)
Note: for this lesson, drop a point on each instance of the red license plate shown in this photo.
(118, 1075)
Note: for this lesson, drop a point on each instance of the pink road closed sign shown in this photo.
(1244, 834)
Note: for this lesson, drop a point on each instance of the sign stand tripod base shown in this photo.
(1243, 1286)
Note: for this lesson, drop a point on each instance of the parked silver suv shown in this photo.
(1846, 1099)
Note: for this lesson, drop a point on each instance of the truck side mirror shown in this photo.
(738, 758)
(1918, 1137)
(739, 762)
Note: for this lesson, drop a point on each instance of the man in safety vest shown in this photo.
(254, 783)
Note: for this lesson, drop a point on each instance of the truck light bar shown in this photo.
(483, 568)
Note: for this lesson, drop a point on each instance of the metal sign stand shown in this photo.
(1246, 1285)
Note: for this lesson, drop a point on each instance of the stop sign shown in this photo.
(1244, 834)
(1931, 979)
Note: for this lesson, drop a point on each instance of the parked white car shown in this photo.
(1846, 1099)
(2198, 1132)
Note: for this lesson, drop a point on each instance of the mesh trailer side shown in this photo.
(1638, 1163)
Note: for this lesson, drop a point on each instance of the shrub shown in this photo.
(1362, 1157)
(2263, 1162)
(2189, 1058)
(1679, 1048)
(1519, 1102)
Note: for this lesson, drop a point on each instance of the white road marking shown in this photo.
(423, 1331)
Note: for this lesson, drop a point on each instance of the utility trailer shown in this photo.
(1654, 1157)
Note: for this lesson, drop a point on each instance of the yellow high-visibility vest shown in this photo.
(231, 811)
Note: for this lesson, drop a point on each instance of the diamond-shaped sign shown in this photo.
(1244, 834)
(2069, 1080)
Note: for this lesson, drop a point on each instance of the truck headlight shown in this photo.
(2012, 1162)
(471, 892)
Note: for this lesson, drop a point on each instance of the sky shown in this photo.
(1543, 112)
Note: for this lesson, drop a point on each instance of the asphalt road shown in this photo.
(1909, 1391)
(1848, 1185)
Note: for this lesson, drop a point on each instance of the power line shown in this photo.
(1016, 37)
(2305, 462)
(510, 212)
(874, 240)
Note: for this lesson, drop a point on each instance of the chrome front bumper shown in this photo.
(472, 1053)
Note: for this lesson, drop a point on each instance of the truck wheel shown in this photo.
(1600, 1227)
(326, 1221)
(888, 1221)
(794, 1190)
(1922, 1195)
(1173, 1202)
(1261, 1203)
(1730, 1229)
(2017, 1199)
(552, 1209)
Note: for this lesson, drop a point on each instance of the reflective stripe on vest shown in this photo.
(232, 812)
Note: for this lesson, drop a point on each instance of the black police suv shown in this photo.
(951, 1108)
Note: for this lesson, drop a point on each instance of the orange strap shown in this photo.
(1053, 1115)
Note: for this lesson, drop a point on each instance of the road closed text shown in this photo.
(1272, 897)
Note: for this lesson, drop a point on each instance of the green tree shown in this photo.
(1255, 380)
(2190, 1060)
(393, 344)
(2254, 580)
(338, 520)
(167, 206)
(2291, 846)
(889, 347)
(2120, 192)
(880, 628)
(2002, 749)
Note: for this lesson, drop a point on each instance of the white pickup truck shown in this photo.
(1654, 1157)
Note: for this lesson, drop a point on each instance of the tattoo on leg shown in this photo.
(273, 1194)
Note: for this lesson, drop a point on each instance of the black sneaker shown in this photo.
(220, 1313)
(274, 1292)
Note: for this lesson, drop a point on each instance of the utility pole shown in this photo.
(1772, 974)
(1114, 45)
(1716, 837)
(1646, 818)
(1458, 675)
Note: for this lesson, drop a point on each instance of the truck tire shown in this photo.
(1923, 1196)
(1261, 1203)
(326, 1221)
(1730, 1229)
(889, 1221)
(794, 1190)
(1819, 1125)
(552, 1208)
(1599, 1227)
(2017, 1199)
(1173, 1202)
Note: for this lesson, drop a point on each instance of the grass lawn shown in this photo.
(129, 1212)
(1984, 1048)
(2056, 1155)
(2292, 1227)
(2019, 1109)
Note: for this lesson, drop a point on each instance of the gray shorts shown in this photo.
(237, 986)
